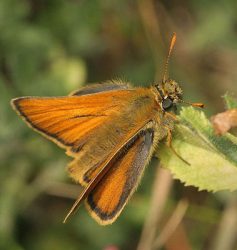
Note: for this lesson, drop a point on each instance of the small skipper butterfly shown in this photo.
(111, 130)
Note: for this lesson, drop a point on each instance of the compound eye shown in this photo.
(167, 103)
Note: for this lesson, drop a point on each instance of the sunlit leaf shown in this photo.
(230, 100)
(213, 159)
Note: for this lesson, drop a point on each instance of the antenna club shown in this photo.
(172, 43)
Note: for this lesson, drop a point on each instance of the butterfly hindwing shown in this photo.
(99, 87)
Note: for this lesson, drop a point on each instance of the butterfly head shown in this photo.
(169, 90)
(170, 93)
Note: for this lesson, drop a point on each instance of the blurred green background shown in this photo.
(52, 47)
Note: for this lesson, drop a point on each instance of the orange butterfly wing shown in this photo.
(136, 109)
(106, 201)
(68, 120)
(90, 126)
(105, 167)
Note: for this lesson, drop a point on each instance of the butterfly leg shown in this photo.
(169, 144)
(172, 115)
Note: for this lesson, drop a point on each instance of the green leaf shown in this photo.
(230, 101)
(213, 159)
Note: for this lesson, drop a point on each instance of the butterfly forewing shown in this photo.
(68, 121)
(92, 126)
(110, 133)
(107, 199)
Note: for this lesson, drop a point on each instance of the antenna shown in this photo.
(194, 104)
(172, 43)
